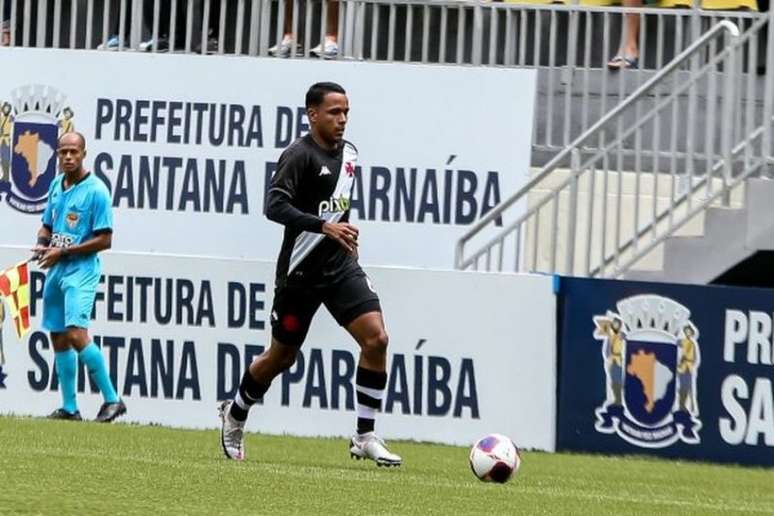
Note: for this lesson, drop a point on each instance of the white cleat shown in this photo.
(368, 446)
(232, 433)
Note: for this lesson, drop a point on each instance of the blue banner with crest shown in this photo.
(30, 126)
(673, 370)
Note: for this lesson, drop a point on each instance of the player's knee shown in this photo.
(376, 344)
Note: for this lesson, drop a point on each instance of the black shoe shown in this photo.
(61, 413)
(109, 411)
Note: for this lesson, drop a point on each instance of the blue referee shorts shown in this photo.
(68, 298)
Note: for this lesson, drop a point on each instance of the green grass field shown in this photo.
(50, 467)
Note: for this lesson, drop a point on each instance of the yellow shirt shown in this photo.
(616, 343)
(67, 126)
(5, 129)
(688, 358)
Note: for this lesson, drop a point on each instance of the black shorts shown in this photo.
(295, 306)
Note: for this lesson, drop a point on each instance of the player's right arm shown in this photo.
(284, 189)
(45, 231)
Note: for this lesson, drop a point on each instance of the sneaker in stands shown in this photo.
(329, 50)
(112, 43)
(153, 46)
(284, 48)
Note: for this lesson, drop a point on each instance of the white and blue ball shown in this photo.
(494, 458)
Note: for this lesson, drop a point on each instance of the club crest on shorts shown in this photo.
(30, 125)
(650, 354)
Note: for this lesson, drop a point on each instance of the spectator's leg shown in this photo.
(288, 25)
(628, 52)
(182, 29)
(164, 42)
(162, 45)
(214, 19)
(329, 49)
(213, 24)
(115, 30)
(286, 45)
(332, 23)
(5, 25)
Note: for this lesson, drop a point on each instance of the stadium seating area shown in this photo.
(200, 19)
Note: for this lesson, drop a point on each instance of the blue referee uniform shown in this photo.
(74, 215)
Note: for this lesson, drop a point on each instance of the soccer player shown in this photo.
(77, 224)
(317, 265)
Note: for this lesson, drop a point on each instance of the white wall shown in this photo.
(487, 339)
(456, 139)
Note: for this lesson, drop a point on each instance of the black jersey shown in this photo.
(312, 186)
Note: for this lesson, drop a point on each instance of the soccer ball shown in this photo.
(494, 458)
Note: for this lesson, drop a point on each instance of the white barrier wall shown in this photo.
(187, 143)
(470, 353)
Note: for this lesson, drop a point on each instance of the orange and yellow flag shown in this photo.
(15, 290)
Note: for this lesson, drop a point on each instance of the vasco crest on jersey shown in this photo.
(30, 125)
(650, 353)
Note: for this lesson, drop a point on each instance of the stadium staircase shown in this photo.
(607, 206)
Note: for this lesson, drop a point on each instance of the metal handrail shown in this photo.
(497, 212)
(754, 167)
(755, 134)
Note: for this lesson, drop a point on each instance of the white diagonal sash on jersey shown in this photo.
(307, 241)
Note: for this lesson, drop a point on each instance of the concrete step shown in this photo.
(730, 235)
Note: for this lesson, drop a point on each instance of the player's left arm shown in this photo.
(99, 242)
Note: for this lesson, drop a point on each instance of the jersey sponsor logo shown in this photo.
(62, 240)
(30, 126)
(333, 205)
(650, 354)
(325, 171)
(349, 168)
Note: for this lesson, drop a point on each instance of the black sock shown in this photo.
(249, 392)
(370, 391)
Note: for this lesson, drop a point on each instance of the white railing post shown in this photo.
(478, 34)
(40, 36)
(572, 211)
(729, 104)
